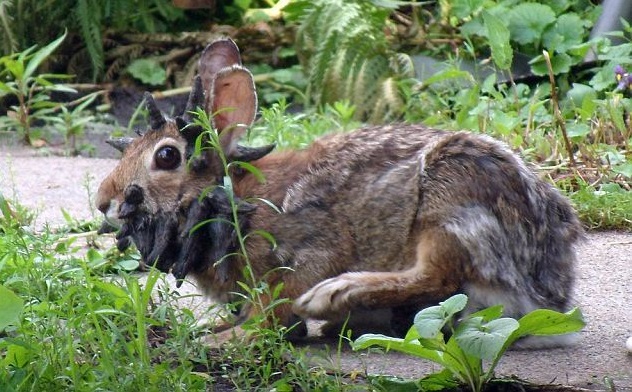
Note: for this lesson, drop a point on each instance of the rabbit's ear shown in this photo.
(233, 103)
(230, 91)
(219, 54)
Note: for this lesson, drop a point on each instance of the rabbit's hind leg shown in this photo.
(437, 272)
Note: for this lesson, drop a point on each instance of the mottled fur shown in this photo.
(390, 217)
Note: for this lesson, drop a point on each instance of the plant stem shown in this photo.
(556, 110)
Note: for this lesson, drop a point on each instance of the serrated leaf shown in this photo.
(498, 38)
(528, 22)
(11, 308)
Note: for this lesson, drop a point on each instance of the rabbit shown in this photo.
(384, 217)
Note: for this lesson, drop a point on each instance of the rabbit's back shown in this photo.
(382, 187)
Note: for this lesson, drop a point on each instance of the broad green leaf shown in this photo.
(148, 71)
(624, 169)
(11, 308)
(438, 381)
(577, 130)
(127, 264)
(462, 365)
(41, 55)
(17, 355)
(528, 22)
(560, 63)
(498, 36)
(559, 6)
(487, 314)
(450, 75)
(613, 157)
(395, 384)
(550, 322)
(484, 340)
(413, 347)
(464, 8)
(610, 188)
(582, 97)
(431, 320)
(564, 33)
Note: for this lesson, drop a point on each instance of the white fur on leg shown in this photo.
(326, 299)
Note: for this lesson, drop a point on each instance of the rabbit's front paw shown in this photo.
(328, 298)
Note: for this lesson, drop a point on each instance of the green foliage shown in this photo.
(561, 27)
(30, 88)
(344, 51)
(607, 207)
(71, 122)
(480, 338)
(12, 307)
(32, 21)
(148, 71)
(298, 130)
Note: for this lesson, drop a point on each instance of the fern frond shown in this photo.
(88, 15)
(9, 43)
(344, 51)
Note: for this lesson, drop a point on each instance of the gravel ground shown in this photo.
(48, 184)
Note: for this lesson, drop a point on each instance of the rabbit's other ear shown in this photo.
(233, 105)
(219, 54)
(230, 91)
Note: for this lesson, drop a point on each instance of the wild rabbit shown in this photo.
(383, 217)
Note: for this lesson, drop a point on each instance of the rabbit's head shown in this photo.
(158, 174)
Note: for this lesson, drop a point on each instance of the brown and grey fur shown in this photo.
(383, 217)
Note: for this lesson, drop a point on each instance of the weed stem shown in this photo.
(556, 109)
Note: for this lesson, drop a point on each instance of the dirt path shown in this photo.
(604, 290)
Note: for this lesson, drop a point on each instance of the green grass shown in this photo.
(609, 208)
(86, 323)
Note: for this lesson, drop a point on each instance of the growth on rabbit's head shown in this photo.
(156, 180)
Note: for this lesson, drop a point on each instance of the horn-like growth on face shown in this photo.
(120, 143)
(213, 240)
(156, 119)
(196, 99)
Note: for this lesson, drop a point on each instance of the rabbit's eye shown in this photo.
(167, 158)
